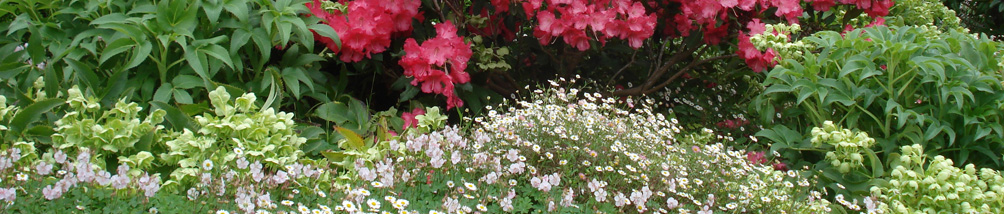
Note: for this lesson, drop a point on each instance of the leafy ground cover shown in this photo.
(521, 106)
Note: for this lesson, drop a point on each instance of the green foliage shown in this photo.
(183, 48)
(109, 133)
(930, 13)
(902, 88)
(237, 127)
(921, 184)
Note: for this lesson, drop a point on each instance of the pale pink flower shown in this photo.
(43, 168)
(51, 193)
(8, 194)
(59, 156)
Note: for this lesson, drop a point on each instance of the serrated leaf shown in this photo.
(140, 55)
(187, 82)
(219, 53)
(182, 96)
(238, 8)
(31, 113)
(193, 59)
(163, 93)
(213, 10)
(116, 47)
(110, 18)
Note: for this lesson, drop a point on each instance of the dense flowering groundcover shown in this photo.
(561, 150)
(247, 114)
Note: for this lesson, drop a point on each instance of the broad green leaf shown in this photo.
(140, 56)
(239, 39)
(182, 96)
(110, 18)
(239, 8)
(326, 31)
(333, 112)
(197, 62)
(116, 47)
(219, 53)
(31, 113)
(20, 22)
(85, 76)
(289, 78)
(213, 10)
(355, 142)
(187, 82)
(177, 120)
(163, 93)
(35, 48)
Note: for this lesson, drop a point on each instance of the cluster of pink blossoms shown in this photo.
(570, 19)
(790, 9)
(873, 8)
(755, 59)
(366, 26)
(438, 64)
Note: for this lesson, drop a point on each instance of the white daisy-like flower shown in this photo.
(389, 198)
(239, 151)
(207, 165)
(364, 192)
(482, 207)
(376, 184)
(287, 202)
(324, 207)
(315, 211)
(22, 177)
(470, 186)
(303, 209)
(322, 194)
(402, 203)
(512, 182)
(449, 184)
(373, 203)
(348, 205)
(222, 212)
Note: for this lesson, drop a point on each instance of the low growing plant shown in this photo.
(563, 154)
(236, 128)
(919, 183)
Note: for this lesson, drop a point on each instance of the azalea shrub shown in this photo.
(552, 36)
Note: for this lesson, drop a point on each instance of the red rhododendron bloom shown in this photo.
(409, 117)
(577, 22)
(366, 26)
(438, 64)
(755, 59)
(822, 5)
(756, 158)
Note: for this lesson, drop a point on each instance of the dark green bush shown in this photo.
(901, 85)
